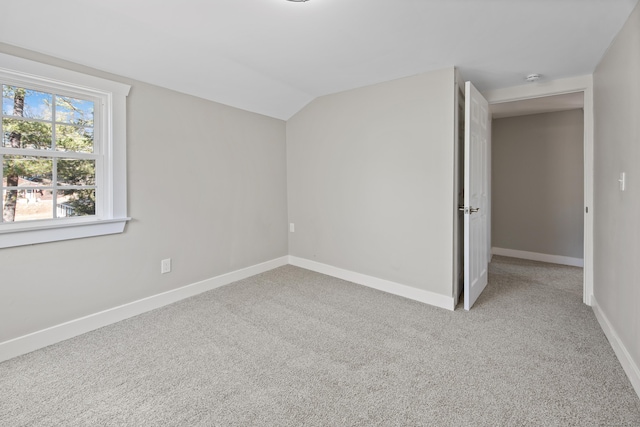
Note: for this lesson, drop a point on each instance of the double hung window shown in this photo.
(49, 155)
(62, 153)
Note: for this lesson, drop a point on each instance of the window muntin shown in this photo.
(50, 156)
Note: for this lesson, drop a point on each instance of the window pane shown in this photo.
(76, 172)
(74, 111)
(76, 203)
(72, 138)
(21, 102)
(26, 134)
(32, 203)
(25, 171)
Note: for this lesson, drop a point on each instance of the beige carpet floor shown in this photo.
(295, 348)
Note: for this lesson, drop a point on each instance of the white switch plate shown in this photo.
(165, 266)
(292, 227)
(622, 181)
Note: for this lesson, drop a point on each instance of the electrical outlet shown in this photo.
(165, 266)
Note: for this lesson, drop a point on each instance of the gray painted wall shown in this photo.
(616, 213)
(538, 183)
(370, 181)
(206, 187)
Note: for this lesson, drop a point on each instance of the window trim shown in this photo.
(112, 217)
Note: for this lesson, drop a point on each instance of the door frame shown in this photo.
(558, 87)
(458, 179)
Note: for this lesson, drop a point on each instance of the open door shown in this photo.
(476, 194)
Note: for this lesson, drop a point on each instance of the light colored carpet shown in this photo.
(295, 348)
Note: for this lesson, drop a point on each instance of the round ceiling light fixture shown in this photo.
(533, 77)
(298, 1)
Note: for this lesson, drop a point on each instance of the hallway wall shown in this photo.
(538, 183)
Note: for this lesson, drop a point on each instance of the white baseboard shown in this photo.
(28, 343)
(630, 367)
(420, 295)
(535, 256)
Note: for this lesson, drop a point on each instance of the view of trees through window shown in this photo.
(48, 155)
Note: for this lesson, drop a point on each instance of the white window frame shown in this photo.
(111, 201)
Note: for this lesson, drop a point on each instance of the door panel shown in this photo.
(476, 184)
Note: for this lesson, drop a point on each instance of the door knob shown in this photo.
(474, 210)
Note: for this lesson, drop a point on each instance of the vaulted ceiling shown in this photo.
(275, 56)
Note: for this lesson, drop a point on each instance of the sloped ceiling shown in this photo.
(274, 56)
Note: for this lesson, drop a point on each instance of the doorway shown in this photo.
(580, 84)
(544, 93)
(538, 179)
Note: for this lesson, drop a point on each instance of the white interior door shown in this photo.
(476, 194)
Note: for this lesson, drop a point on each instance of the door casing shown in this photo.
(558, 87)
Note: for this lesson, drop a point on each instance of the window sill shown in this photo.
(33, 233)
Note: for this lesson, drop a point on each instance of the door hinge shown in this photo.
(467, 210)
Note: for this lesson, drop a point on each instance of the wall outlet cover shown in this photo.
(165, 266)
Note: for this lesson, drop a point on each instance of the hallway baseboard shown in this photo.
(535, 256)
